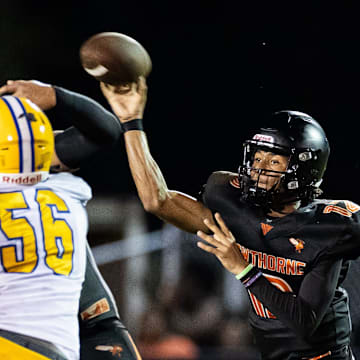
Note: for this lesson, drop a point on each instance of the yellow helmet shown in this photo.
(26, 142)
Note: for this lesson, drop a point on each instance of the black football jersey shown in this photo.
(304, 258)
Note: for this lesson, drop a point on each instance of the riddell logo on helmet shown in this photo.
(24, 180)
(262, 137)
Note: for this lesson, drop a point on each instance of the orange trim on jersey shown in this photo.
(337, 209)
(352, 207)
(269, 314)
(258, 306)
(265, 228)
(280, 283)
(235, 182)
(320, 356)
(138, 357)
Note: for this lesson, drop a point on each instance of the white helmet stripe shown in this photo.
(27, 122)
(26, 138)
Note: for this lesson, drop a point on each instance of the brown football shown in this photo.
(114, 58)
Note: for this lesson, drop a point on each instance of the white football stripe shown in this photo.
(97, 71)
(25, 134)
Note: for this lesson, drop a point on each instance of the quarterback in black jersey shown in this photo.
(289, 249)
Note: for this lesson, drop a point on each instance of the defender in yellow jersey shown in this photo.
(93, 129)
(43, 228)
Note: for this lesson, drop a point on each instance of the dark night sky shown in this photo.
(217, 69)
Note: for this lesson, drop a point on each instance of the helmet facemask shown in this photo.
(261, 185)
(292, 184)
(302, 140)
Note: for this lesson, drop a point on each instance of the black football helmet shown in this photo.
(302, 139)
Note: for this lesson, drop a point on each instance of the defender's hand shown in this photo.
(223, 246)
(127, 101)
(43, 95)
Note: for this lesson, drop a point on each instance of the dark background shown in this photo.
(218, 68)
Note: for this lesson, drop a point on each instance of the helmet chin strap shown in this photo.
(276, 200)
(281, 199)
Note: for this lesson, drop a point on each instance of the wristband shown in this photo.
(249, 281)
(135, 124)
(244, 272)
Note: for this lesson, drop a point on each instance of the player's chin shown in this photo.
(264, 182)
(264, 186)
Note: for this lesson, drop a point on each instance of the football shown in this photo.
(114, 58)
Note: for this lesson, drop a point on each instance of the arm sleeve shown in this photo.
(72, 147)
(304, 312)
(93, 128)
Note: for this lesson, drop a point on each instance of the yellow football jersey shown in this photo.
(43, 231)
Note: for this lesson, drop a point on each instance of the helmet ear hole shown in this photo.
(30, 116)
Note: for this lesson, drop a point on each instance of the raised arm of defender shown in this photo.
(174, 207)
(93, 127)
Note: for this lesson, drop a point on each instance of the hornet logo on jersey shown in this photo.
(115, 350)
(299, 244)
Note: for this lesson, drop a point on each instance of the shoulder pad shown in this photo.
(223, 177)
(73, 185)
(216, 184)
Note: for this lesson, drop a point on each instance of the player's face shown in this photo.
(270, 162)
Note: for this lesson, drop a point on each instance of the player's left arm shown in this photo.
(302, 312)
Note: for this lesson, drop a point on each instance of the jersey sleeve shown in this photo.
(347, 245)
(211, 196)
(302, 313)
(96, 301)
(73, 185)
